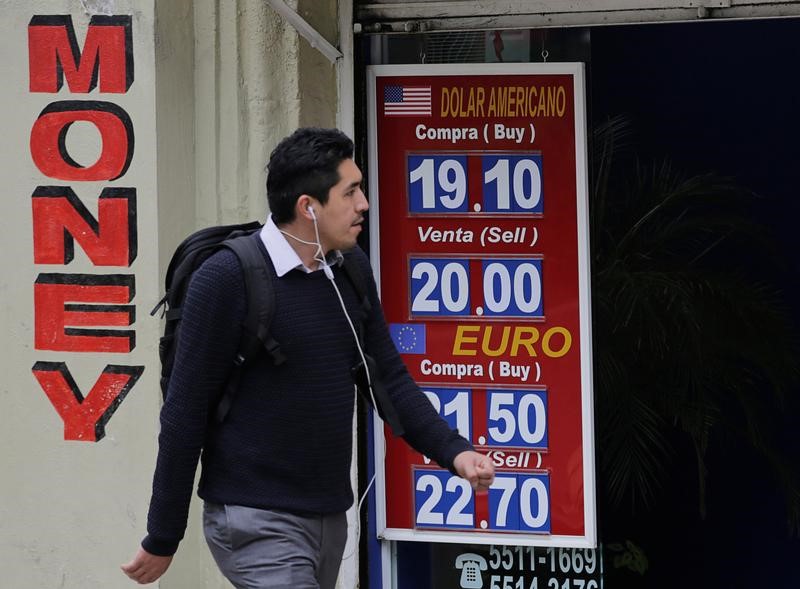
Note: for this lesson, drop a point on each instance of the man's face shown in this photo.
(339, 220)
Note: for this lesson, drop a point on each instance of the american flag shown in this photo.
(407, 100)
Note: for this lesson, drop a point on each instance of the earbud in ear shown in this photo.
(310, 210)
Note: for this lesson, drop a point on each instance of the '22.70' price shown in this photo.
(517, 502)
(439, 184)
(508, 287)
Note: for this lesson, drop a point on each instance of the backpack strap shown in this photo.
(259, 275)
(356, 278)
(385, 406)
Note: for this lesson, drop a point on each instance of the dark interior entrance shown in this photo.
(711, 98)
(717, 98)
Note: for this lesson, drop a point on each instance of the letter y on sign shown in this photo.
(85, 418)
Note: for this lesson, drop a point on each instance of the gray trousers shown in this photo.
(260, 549)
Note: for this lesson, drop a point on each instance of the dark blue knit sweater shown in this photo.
(287, 441)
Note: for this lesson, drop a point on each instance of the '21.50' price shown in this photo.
(439, 184)
(515, 418)
(509, 287)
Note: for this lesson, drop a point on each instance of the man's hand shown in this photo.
(477, 468)
(145, 567)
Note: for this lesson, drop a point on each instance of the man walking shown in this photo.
(275, 473)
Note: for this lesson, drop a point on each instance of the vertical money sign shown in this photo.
(83, 313)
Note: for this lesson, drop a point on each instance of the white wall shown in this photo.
(71, 511)
(216, 84)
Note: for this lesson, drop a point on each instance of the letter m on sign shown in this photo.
(53, 54)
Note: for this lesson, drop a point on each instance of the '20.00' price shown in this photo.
(509, 287)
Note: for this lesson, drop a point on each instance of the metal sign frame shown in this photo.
(575, 70)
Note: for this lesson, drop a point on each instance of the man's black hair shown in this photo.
(306, 162)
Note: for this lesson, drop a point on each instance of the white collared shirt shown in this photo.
(282, 254)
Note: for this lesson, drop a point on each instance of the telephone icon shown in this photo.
(471, 565)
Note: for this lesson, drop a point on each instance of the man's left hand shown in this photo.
(477, 468)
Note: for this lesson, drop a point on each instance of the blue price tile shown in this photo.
(442, 500)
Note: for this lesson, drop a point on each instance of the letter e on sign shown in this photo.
(66, 306)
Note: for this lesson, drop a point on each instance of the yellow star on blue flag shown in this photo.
(409, 338)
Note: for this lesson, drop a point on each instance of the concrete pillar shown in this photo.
(254, 81)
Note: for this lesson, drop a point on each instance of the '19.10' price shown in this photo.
(517, 502)
(510, 184)
(509, 287)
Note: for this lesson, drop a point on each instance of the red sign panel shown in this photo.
(479, 236)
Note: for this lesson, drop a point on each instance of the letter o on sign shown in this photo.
(48, 140)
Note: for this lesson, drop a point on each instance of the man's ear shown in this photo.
(302, 206)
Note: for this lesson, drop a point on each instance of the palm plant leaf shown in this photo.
(682, 303)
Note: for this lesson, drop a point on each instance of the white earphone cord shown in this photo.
(329, 273)
(319, 257)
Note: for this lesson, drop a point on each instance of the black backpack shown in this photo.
(258, 273)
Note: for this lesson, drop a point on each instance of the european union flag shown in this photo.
(408, 337)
